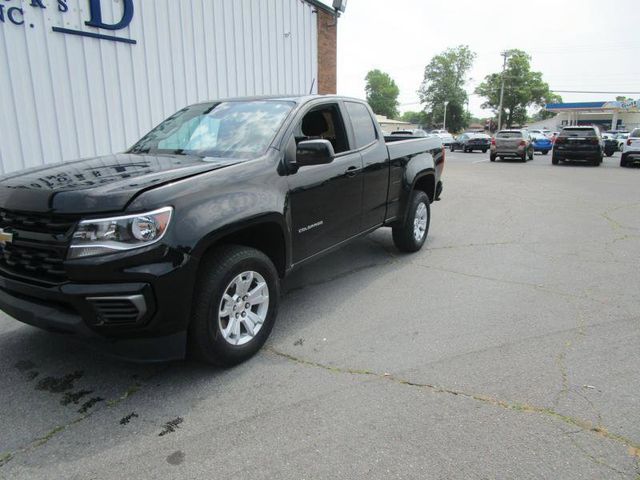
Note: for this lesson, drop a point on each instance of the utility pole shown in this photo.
(505, 54)
(444, 120)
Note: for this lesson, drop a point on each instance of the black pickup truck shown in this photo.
(179, 244)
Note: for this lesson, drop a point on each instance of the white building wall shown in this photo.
(65, 96)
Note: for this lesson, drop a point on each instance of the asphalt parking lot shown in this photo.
(507, 348)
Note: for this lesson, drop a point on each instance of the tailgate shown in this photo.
(508, 143)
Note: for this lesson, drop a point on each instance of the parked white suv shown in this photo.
(446, 137)
(631, 149)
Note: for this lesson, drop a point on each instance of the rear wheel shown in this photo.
(555, 160)
(544, 152)
(452, 148)
(484, 150)
(492, 157)
(236, 304)
(531, 154)
(411, 235)
(524, 157)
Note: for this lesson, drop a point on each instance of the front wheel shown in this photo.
(411, 235)
(236, 303)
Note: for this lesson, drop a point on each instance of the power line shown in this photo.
(590, 91)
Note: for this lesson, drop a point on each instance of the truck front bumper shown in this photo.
(139, 317)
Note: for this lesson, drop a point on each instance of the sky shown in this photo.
(577, 45)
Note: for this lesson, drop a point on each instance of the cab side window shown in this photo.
(324, 122)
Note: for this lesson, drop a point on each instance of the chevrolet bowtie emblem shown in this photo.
(5, 237)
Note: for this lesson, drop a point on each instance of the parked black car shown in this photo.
(184, 238)
(578, 143)
(468, 142)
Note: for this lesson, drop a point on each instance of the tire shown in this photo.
(405, 236)
(452, 148)
(484, 150)
(531, 155)
(623, 162)
(555, 160)
(492, 157)
(596, 162)
(212, 339)
(544, 152)
(524, 157)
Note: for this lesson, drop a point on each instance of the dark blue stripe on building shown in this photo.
(93, 35)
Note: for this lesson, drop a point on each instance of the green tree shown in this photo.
(444, 79)
(382, 93)
(417, 118)
(523, 88)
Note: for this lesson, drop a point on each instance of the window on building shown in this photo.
(362, 122)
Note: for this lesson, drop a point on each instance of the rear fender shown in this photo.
(419, 174)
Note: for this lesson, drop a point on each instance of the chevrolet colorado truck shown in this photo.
(178, 246)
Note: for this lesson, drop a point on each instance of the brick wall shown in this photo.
(327, 52)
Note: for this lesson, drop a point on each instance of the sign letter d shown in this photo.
(96, 16)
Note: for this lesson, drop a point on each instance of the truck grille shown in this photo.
(33, 261)
(35, 223)
(38, 248)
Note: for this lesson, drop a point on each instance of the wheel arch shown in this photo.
(266, 233)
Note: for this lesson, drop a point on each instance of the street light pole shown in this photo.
(444, 120)
(505, 54)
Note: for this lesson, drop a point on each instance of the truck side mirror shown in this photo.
(314, 152)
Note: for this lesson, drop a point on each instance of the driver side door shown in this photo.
(325, 201)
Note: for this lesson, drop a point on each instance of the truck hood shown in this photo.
(101, 184)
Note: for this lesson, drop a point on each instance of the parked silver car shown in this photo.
(512, 143)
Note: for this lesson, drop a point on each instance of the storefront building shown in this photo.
(81, 78)
(605, 115)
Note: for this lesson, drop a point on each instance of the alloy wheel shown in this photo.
(243, 308)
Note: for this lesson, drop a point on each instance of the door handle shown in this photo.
(352, 171)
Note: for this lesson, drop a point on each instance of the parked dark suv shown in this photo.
(578, 143)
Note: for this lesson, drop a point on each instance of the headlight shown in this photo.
(109, 235)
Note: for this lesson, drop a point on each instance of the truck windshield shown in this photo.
(226, 129)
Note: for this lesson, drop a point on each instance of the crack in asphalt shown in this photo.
(591, 457)
(615, 225)
(584, 425)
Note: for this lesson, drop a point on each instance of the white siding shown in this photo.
(64, 96)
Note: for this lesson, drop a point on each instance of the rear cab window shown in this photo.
(363, 126)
